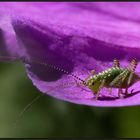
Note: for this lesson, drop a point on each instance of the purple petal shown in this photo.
(8, 42)
(77, 37)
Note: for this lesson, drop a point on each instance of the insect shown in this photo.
(114, 77)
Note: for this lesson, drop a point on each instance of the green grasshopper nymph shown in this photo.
(114, 77)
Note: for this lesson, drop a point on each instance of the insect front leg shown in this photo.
(100, 87)
(120, 93)
(110, 91)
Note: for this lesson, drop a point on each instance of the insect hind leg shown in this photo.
(133, 64)
(132, 67)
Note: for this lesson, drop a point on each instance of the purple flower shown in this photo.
(75, 36)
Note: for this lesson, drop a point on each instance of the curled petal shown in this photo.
(76, 38)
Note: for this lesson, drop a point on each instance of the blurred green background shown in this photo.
(52, 118)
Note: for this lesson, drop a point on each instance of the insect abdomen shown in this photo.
(109, 75)
(123, 81)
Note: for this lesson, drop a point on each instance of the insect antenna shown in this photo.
(9, 58)
(35, 99)
(26, 108)
(56, 68)
(22, 59)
